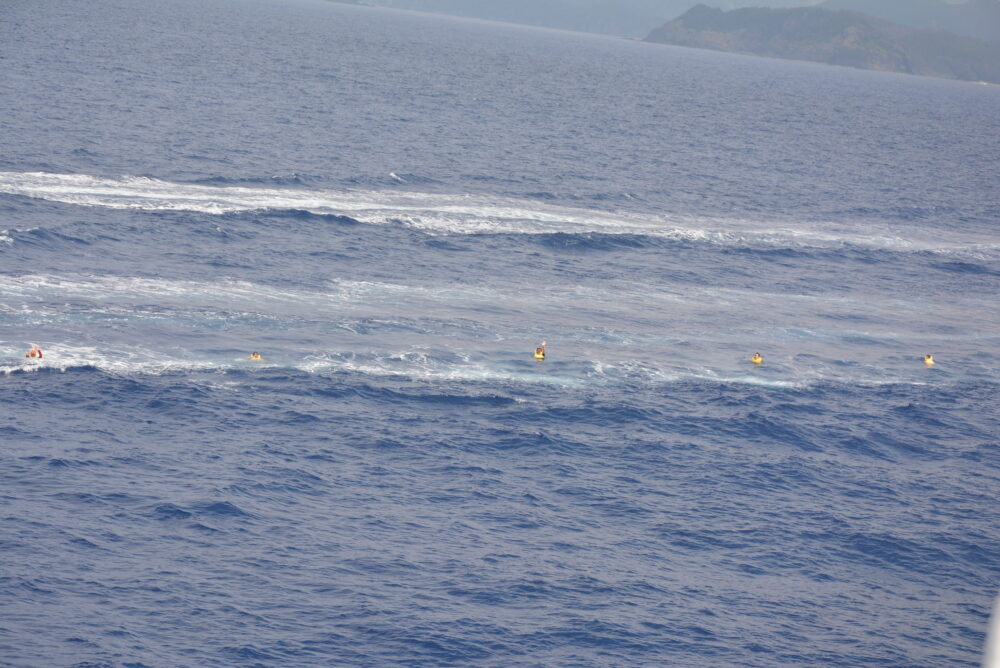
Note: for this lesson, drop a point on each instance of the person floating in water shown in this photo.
(34, 352)
(757, 359)
(255, 356)
(540, 351)
(929, 360)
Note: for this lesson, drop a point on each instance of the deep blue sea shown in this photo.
(394, 209)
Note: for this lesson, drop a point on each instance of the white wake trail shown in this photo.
(441, 213)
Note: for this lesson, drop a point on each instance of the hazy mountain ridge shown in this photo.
(625, 18)
(976, 18)
(835, 37)
(635, 18)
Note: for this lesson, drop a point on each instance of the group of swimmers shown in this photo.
(36, 352)
(757, 359)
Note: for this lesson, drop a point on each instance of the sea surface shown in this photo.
(394, 209)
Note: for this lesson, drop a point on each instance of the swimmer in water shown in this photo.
(540, 351)
(255, 356)
(34, 352)
(757, 359)
(929, 360)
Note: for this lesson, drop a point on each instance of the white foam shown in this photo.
(115, 292)
(750, 379)
(121, 360)
(422, 366)
(229, 290)
(438, 213)
(434, 212)
(606, 314)
(133, 289)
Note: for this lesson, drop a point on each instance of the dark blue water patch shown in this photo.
(84, 543)
(302, 216)
(862, 445)
(865, 340)
(900, 213)
(81, 641)
(219, 509)
(84, 153)
(544, 196)
(894, 552)
(169, 512)
(972, 550)
(297, 418)
(60, 462)
(180, 401)
(449, 245)
(859, 318)
(777, 253)
(458, 401)
(618, 639)
(12, 432)
(293, 179)
(285, 483)
(591, 241)
(402, 180)
(759, 427)
(966, 268)
(431, 644)
(525, 441)
(22, 211)
(257, 656)
(48, 239)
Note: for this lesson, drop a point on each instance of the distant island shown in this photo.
(974, 18)
(635, 18)
(836, 37)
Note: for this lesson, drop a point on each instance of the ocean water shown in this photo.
(394, 209)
